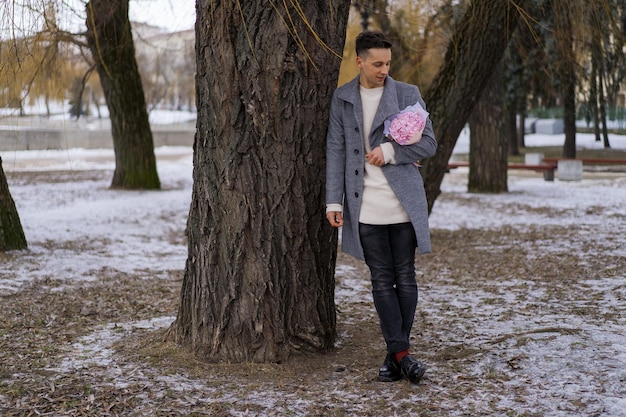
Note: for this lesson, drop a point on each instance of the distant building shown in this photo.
(166, 61)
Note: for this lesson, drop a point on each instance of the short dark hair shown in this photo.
(371, 39)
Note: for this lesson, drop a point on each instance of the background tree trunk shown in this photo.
(11, 233)
(511, 131)
(489, 140)
(475, 50)
(259, 279)
(593, 88)
(520, 138)
(111, 43)
(605, 132)
(566, 68)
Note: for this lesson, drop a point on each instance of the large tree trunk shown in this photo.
(259, 279)
(474, 52)
(489, 140)
(11, 233)
(111, 43)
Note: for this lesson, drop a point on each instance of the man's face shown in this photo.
(374, 67)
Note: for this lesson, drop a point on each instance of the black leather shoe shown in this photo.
(412, 369)
(390, 370)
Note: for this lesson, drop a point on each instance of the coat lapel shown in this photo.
(351, 94)
(388, 104)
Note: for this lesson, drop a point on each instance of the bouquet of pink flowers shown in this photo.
(407, 126)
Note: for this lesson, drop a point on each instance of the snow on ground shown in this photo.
(77, 209)
(60, 118)
(113, 220)
(83, 208)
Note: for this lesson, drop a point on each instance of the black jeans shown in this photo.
(390, 255)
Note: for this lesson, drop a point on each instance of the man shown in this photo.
(375, 192)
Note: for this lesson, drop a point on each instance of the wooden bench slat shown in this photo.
(537, 167)
(589, 161)
(547, 168)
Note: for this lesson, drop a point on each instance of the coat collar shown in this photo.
(388, 103)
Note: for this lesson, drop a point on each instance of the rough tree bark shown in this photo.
(110, 40)
(489, 140)
(475, 50)
(259, 275)
(11, 233)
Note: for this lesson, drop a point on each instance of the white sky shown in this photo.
(172, 15)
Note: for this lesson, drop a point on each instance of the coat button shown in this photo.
(356, 172)
(356, 195)
(356, 129)
(356, 151)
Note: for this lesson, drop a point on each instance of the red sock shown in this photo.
(400, 355)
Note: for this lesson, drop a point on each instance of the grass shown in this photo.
(557, 152)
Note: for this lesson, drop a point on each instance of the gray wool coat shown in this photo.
(345, 160)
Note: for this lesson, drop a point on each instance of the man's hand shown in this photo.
(376, 157)
(335, 218)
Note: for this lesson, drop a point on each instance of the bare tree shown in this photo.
(476, 48)
(605, 37)
(111, 43)
(38, 71)
(566, 66)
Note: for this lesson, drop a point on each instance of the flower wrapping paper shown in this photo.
(406, 127)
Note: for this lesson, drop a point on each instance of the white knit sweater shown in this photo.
(380, 204)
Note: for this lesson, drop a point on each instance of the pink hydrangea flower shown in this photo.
(407, 126)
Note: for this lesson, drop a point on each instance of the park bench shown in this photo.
(547, 168)
(549, 165)
(590, 161)
(568, 166)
